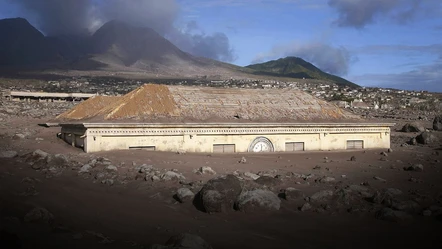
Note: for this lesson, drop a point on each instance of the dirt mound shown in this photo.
(149, 99)
(88, 108)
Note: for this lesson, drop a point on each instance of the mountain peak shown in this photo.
(295, 67)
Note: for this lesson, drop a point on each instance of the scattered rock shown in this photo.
(383, 153)
(251, 175)
(19, 136)
(292, 194)
(426, 212)
(39, 215)
(437, 123)
(184, 241)
(85, 169)
(145, 168)
(415, 167)
(406, 206)
(305, 207)
(109, 182)
(57, 160)
(412, 127)
(390, 150)
(320, 196)
(317, 167)
(170, 175)
(184, 195)
(258, 199)
(243, 160)
(352, 158)
(219, 194)
(112, 168)
(268, 181)
(154, 178)
(377, 178)
(325, 179)
(389, 214)
(413, 141)
(8, 154)
(205, 170)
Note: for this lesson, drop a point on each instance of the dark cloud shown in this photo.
(334, 60)
(359, 13)
(56, 17)
(67, 17)
(215, 46)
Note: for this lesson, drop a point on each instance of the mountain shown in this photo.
(294, 67)
(22, 44)
(122, 48)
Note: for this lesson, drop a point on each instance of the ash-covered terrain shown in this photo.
(55, 196)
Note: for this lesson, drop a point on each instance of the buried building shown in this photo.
(204, 119)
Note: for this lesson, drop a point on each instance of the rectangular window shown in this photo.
(223, 148)
(294, 146)
(355, 144)
(148, 148)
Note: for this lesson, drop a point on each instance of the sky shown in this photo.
(384, 43)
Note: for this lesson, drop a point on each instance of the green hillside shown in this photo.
(298, 68)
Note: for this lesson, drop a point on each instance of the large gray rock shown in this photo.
(184, 241)
(426, 138)
(8, 154)
(389, 214)
(219, 194)
(258, 199)
(437, 123)
(413, 127)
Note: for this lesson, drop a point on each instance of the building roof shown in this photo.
(152, 103)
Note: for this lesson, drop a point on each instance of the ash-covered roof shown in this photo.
(164, 103)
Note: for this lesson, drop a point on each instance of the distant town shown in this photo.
(357, 99)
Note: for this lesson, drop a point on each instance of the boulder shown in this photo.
(184, 195)
(426, 138)
(85, 169)
(389, 214)
(258, 199)
(321, 196)
(8, 154)
(268, 181)
(437, 123)
(219, 194)
(415, 167)
(39, 215)
(292, 194)
(325, 179)
(184, 241)
(413, 127)
(57, 160)
(251, 175)
(205, 170)
(406, 206)
(170, 175)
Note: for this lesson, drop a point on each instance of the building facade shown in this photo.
(216, 120)
(226, 138)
